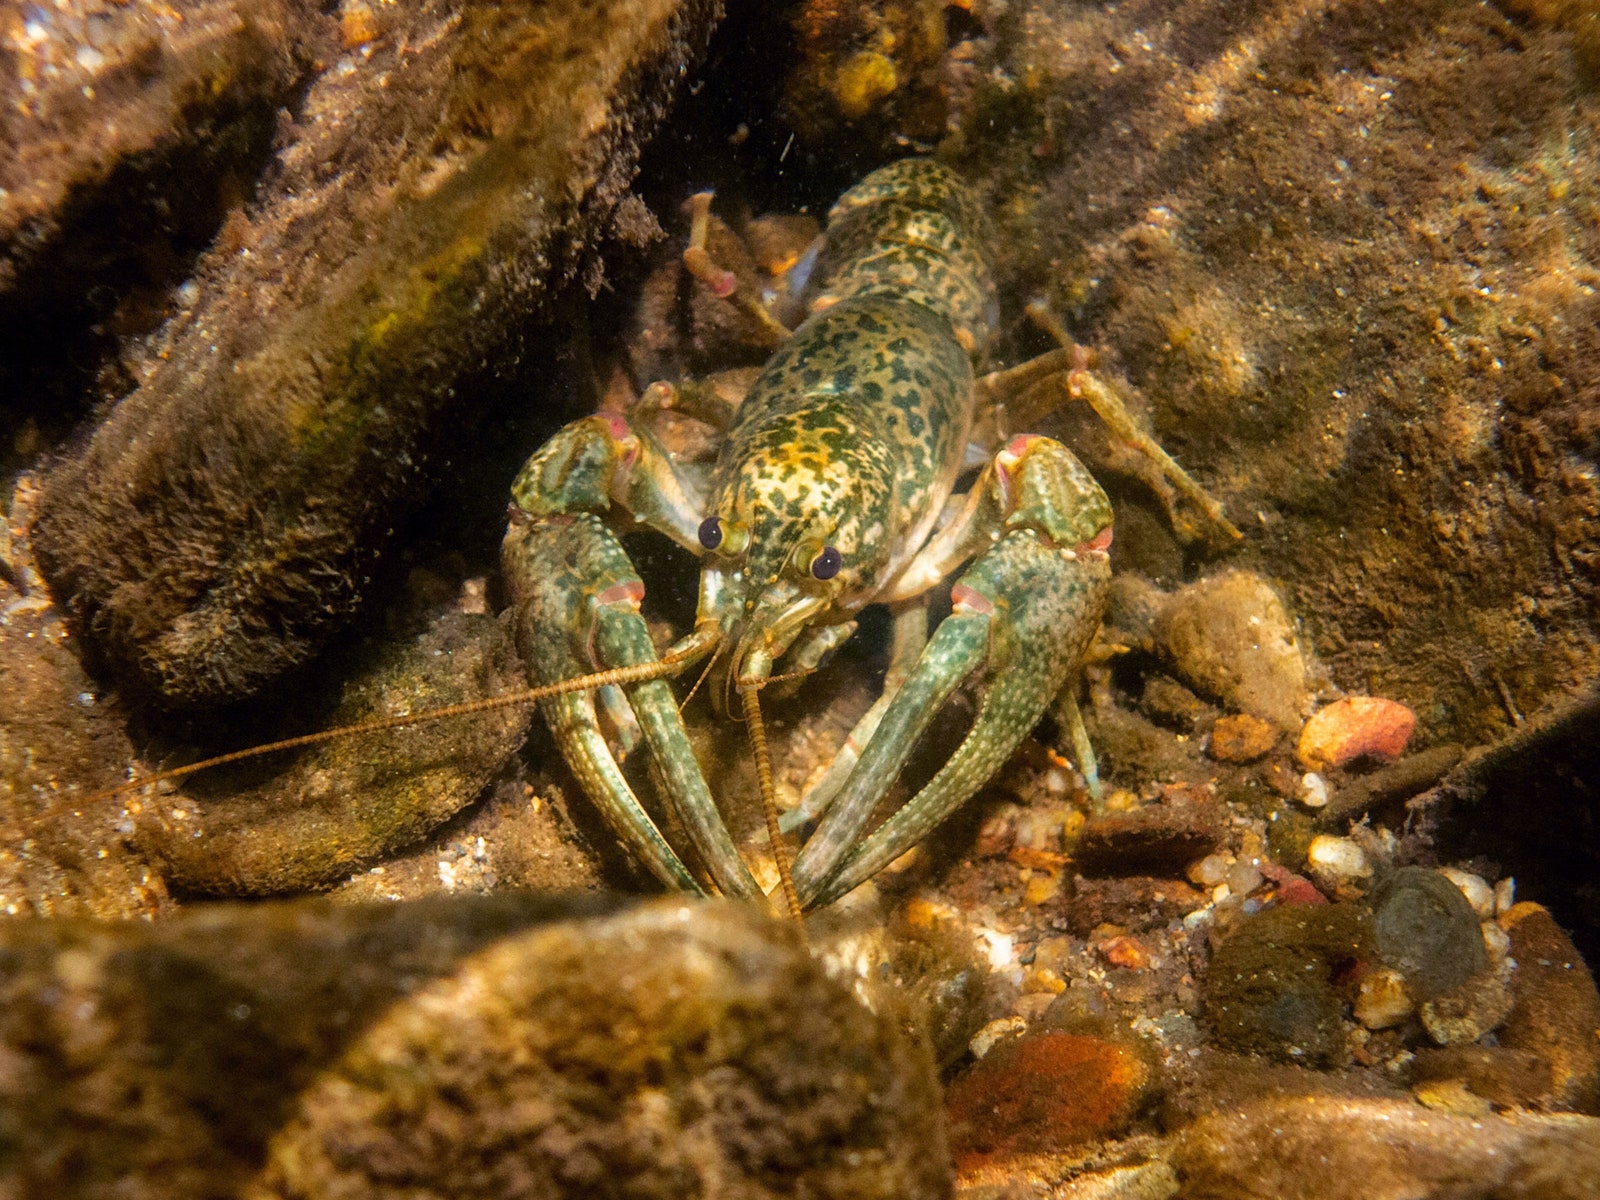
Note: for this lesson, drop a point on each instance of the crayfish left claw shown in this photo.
(576, 598)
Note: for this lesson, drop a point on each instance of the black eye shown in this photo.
(711, 532)
(826, 564)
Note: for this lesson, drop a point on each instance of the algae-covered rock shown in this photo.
(491, 1047)
(1557, 1010)
(131, 107)
(1269, 988)
(445, 179)
(348, 801)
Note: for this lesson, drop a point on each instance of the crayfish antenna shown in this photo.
(639, 673)
(749, 693)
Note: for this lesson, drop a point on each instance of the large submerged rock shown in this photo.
(446, 178)
(493, 1047)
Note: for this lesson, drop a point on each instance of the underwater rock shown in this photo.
(1137, 902)
(1333, 250)
(451, 1048)
(135, 109)
(1506, 1078)
(1340, 866)
(446, 178)
(1382, 1001)
(1354, 728)
(868, 74)
(1241, 738)
(1231, 637)
(1557, 1010)
(1269, 988)
(1043, 1092)
(1167, 702)
(1161, 838)
(1466, 1013)
(1425, 929)
(1338, 1148)
(353, 799)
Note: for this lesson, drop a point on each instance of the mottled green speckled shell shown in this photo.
(915, 229)
(854, 432)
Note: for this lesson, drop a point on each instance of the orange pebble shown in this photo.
(1355, 727)
(1125, 952)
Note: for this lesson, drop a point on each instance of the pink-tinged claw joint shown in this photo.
(630, 593)
(961, 596)
(1100, 541)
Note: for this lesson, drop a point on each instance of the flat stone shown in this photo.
(1136, 903)
(1335, 1148)
(1153, 839)
(1269, 986)
(346, 802)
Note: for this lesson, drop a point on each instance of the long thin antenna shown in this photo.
(710, 662)
(638, 673)
(769, 801)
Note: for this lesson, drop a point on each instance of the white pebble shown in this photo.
(1478, 893)
(1505, 895)
(1313, 790)
(1210, 870)
(1337, 863)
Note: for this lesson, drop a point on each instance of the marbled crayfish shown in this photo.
(834, 488)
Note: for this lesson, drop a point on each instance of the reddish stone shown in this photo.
(1042, 1093)
(1126, 952)
(1292, 888)
(1355, 727)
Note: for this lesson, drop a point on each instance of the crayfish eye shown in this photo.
(711, 532)
(826, 565)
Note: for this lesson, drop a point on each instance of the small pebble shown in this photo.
(1313, 790)
(1478, 893)
(1382, 1002)
(1126, 952)
(1244, 879)
(1452, 1096)
(1210, 870)
(1355, 727)
(1041, 889)
(1241, 738)
(1339, 865)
